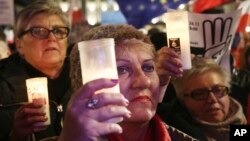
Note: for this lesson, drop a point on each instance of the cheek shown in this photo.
(154, 88)
(31, 51)
(63, 44)
(225, 102)
(124, 87)
(194, 107)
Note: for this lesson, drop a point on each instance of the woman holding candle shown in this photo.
(88, 115)
(41, 33)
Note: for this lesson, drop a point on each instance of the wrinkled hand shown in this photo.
(86, 124)
(168, 64)
(25, 119)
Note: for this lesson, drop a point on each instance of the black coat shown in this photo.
(13, 94)
(176, 115)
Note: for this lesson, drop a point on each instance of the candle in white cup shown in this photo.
(177, 26)
(98, 61)
(38, 93)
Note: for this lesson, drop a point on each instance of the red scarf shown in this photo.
(157, 132)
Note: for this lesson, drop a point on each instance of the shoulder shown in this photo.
(11, 65)
(178, 135)
(9, 62)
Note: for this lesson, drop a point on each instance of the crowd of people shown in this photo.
(205, 100)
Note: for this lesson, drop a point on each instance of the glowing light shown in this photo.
(247, 29)
(155, 20)
(91, 7)
(64, 6)
(182, 6)
(116, 7)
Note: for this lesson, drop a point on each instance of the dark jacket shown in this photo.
(13, 94)
(240, 88)
(176, 115)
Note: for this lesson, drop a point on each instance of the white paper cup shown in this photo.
(98, 61)
(38, 93)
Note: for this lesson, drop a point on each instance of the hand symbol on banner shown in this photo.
(217, 37)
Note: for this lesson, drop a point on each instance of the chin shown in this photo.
(142, 114)
(215, 119)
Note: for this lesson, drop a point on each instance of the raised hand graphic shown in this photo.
(217, 37)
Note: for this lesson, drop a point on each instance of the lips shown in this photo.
(213, 110)
(50, 49)
(140, 99)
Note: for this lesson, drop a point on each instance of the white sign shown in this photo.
(211, 35)
(6, 12)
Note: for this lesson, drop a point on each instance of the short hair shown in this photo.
(35, 8)
(200, 65)
(119, 33)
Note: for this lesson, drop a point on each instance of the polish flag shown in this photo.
(202, 5)
(245, 16)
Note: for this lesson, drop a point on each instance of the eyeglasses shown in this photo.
(43, 33)
(202, 94)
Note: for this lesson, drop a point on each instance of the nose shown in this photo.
(51, 36)
(211, 98)
(141, 80)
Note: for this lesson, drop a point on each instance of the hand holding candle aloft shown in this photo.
(98, 61)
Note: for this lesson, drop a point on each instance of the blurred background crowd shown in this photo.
(146, 15)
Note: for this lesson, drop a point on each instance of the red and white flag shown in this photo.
(245, 16)
(202, 5)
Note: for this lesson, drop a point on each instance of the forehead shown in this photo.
(45, 19)
(134, 45)
(205, 79)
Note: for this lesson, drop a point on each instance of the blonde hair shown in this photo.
(200, 65)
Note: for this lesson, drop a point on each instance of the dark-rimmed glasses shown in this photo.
(43, 33)
(202, 94)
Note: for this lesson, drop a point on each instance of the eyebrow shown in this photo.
(125, 60)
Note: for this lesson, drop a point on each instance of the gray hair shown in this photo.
(200, 65)
(35, 8)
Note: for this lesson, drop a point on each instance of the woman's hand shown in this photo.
(168, 65)
(85, 123)
(25, 119)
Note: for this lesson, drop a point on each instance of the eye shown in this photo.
(59, 31)
(122, 70)
(198, 94)
(219, 89)
(148, 68)
(40, 31)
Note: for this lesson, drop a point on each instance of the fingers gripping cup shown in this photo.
(38, 93)
(98, 61)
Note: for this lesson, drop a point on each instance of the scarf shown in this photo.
(248, 109)
(220, 131)
(157, 132)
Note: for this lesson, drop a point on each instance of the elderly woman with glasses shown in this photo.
(203, 108)
(41, 33)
